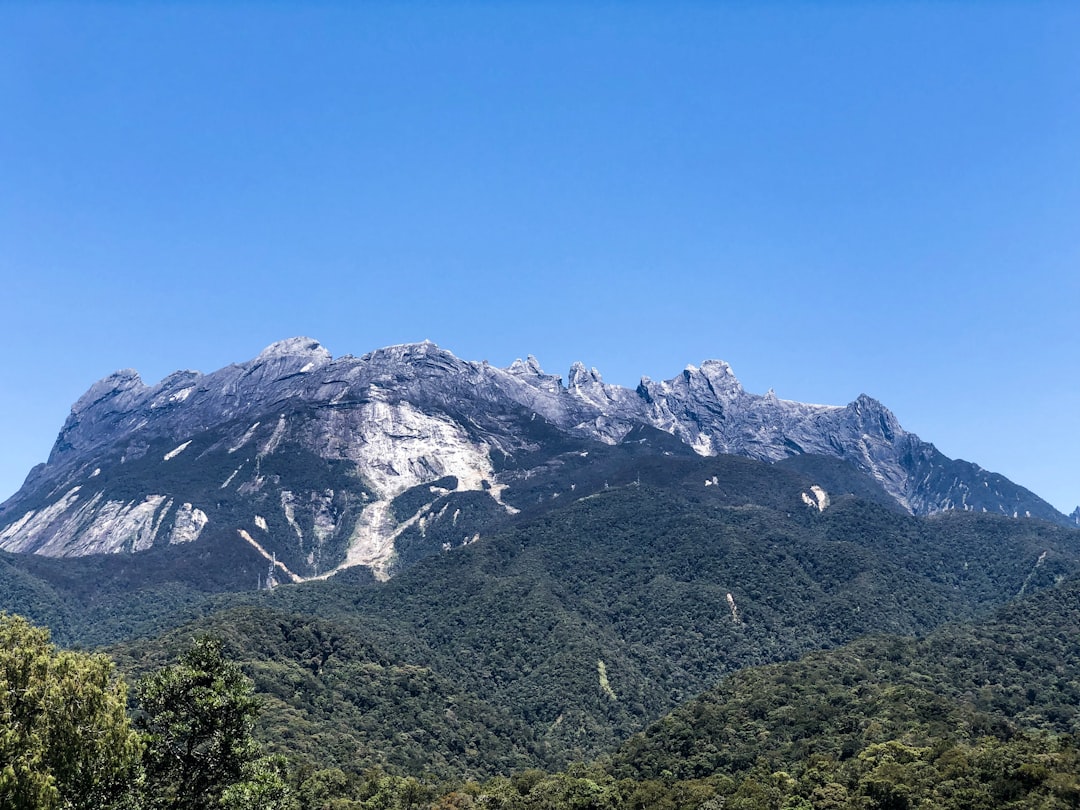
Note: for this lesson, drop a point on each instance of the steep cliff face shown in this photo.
(320, 463)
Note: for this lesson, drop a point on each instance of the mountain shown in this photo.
(634, 576)
(303, 464)
(570, 562)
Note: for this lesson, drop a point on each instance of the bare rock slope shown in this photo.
(321, 463)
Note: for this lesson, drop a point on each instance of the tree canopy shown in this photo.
(65, 737)
(198, 716)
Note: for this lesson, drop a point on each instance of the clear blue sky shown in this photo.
(835, 198)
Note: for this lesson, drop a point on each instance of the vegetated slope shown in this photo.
(586, 621)
(975, 715)
(101, 599)
(332, 698)
(104, 598)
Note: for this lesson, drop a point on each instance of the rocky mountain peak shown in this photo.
(581, 377)
(529, 367)
(104, 407)
(288, 357)
(875, 418)
(530, 371)
(609, 408)
(134, 463)
(415, 355)
(865, 402)
(295, 347)
(720, 378)
(115, 385)
(709, 389)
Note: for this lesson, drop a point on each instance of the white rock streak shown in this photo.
(188, 525)
(229, 480)
(372, 540)
(176, 451)
(288, 506)
(73, 528)
(818, 500)
(109, 527)
(278, 563)
(21, 534)
(275, 438)
(245, 438)
(396, 447)
(1031, 574)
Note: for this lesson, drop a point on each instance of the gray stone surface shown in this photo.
(407, 416)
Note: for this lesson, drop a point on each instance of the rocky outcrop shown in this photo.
(324, 462)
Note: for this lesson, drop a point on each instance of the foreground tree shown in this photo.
(198, 716)
(65, 738)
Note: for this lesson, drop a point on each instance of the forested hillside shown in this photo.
(593, 613)
(974, 715)
(1017, 671)
(577, 627)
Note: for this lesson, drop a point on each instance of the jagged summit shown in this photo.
(330, 462)
(405, 351)
(298, 347)
(118, 382)
(529, 366)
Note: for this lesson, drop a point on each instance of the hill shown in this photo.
(583, 623)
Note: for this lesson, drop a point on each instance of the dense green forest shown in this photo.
(512, 633)
(975, 715)
(690, 629)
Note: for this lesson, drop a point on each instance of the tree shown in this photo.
(265, 786)
(65, 738)
(198, 716)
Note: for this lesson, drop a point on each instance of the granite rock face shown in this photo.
(321, 463)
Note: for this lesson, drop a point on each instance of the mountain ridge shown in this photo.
(241, 448)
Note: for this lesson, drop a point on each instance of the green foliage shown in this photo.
(466, 515)
(31, 596)
(65, 740)
(329, 696)
(90, 601)
(974, 716)
(198, 716)
(483, 661)
(263, 785)
(638, 577)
